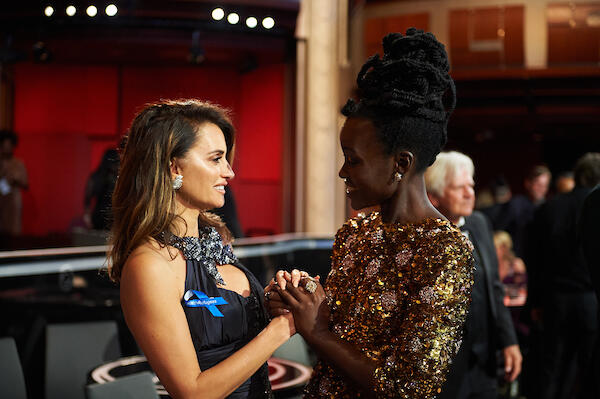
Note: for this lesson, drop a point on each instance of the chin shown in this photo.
(357, 205)
(217, 204)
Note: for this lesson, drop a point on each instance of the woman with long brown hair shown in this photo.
(194, 310)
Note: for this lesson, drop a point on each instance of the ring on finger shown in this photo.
(268, 295)
(309, 284)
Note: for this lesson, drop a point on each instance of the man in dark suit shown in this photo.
(561, 292)
(489, 325)
(589, 238)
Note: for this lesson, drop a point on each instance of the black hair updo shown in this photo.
(407, 94)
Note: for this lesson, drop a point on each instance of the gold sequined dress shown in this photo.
(400, 294)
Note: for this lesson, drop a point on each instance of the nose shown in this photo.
(228, 173)
(469, 192)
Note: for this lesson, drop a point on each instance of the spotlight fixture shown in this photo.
(251, 22)
(233, 18)
(218, 14)
(91, 11)
(71, 10)
(111, 10)
(48, 11)
(268, 23)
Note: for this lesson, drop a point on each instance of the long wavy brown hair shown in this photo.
(143, 201)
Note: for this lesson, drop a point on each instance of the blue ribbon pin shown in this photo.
(203, 300)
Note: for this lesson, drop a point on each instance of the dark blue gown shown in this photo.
(216, 338)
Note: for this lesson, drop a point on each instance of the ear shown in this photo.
(174, 167)
(405, 161)
(435, 201)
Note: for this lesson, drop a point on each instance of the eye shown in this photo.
(217, 159)
(352, 161)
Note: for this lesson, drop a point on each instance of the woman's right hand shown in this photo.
(273, 302)
(275, 305)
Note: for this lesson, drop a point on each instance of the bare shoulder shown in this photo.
(149, 265)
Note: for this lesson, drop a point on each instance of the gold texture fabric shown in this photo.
(400, 295)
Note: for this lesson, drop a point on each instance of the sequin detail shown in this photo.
(208, 249)
(400, 294)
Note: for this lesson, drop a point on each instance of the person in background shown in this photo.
(564, 182)
(589, 236)
(561, 293)
(489, 326)
(510, 267)
(501, 193)
(99, 189)
(515, 216)
(13, 179)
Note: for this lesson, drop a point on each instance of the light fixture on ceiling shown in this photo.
(218, 14)
(251, 22)
(91, 11)
(71, 10)
(233, 18)
(268, 23)
(111, 10)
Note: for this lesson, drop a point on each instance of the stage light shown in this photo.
(49, 11)
(111, 10)
(91, 11)
(268, 23)
(218, 14)
(251, 22)
(233, 18)
(71, 10)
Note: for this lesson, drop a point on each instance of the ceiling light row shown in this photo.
(111, 10)
(233, 18)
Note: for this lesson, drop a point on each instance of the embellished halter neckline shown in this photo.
(208, 249)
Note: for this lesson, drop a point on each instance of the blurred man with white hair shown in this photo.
(489, 326)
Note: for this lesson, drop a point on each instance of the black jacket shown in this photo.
(500, 325)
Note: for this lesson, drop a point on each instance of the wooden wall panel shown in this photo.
(485, 23)
(376, 28)
(489, 37)
(514, 46)
(573, 34)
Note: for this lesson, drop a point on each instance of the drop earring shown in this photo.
(398, 176)
(177, 182)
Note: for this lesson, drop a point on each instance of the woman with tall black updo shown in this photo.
(390, 318)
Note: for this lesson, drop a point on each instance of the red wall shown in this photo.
(258, 155)
(66, 116)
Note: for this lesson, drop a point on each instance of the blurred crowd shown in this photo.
(532, 329)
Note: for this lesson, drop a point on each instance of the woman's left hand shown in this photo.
(311, 312)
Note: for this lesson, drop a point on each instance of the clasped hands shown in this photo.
(286, 293)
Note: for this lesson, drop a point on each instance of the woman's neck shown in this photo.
(187, 222)
(410, 203)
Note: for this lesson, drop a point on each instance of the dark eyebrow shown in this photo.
(216, 152)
